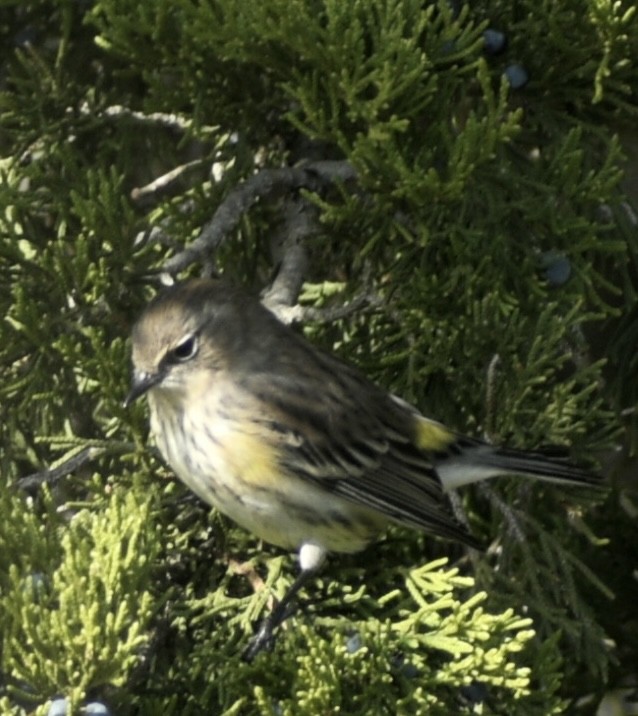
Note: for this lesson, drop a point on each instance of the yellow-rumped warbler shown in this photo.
(290, 442)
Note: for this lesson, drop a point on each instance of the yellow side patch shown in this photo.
(253, 459)
(432, 436)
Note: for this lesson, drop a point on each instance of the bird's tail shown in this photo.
(476, 461)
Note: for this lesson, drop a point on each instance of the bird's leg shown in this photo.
(264, 638)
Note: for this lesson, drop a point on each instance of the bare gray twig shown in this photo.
(301, 314)
(267, 183)
(289, 251)
(490, 396)
(336, 313)
(457, 509)
(164, 183)
(37, 479)
(172, 121)
(31, 483)
(514, 527)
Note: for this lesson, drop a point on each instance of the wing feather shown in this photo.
(340, 431)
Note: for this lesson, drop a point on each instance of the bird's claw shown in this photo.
(263, 640)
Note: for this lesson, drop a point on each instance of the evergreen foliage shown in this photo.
(484, 233)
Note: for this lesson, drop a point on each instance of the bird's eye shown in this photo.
(185, 350)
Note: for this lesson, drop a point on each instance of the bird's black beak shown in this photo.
(141, 383)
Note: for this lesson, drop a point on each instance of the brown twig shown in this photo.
(247, 569)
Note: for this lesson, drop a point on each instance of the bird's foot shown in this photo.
(263, 640)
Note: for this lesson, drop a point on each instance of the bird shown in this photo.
(294, 444)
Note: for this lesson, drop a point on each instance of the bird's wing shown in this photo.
(356, 441)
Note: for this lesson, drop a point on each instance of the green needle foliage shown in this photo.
(489, 240)
(78, 617)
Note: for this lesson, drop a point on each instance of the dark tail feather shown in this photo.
(480, 461)
(549, 464)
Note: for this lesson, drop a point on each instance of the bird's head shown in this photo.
(187, 330)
